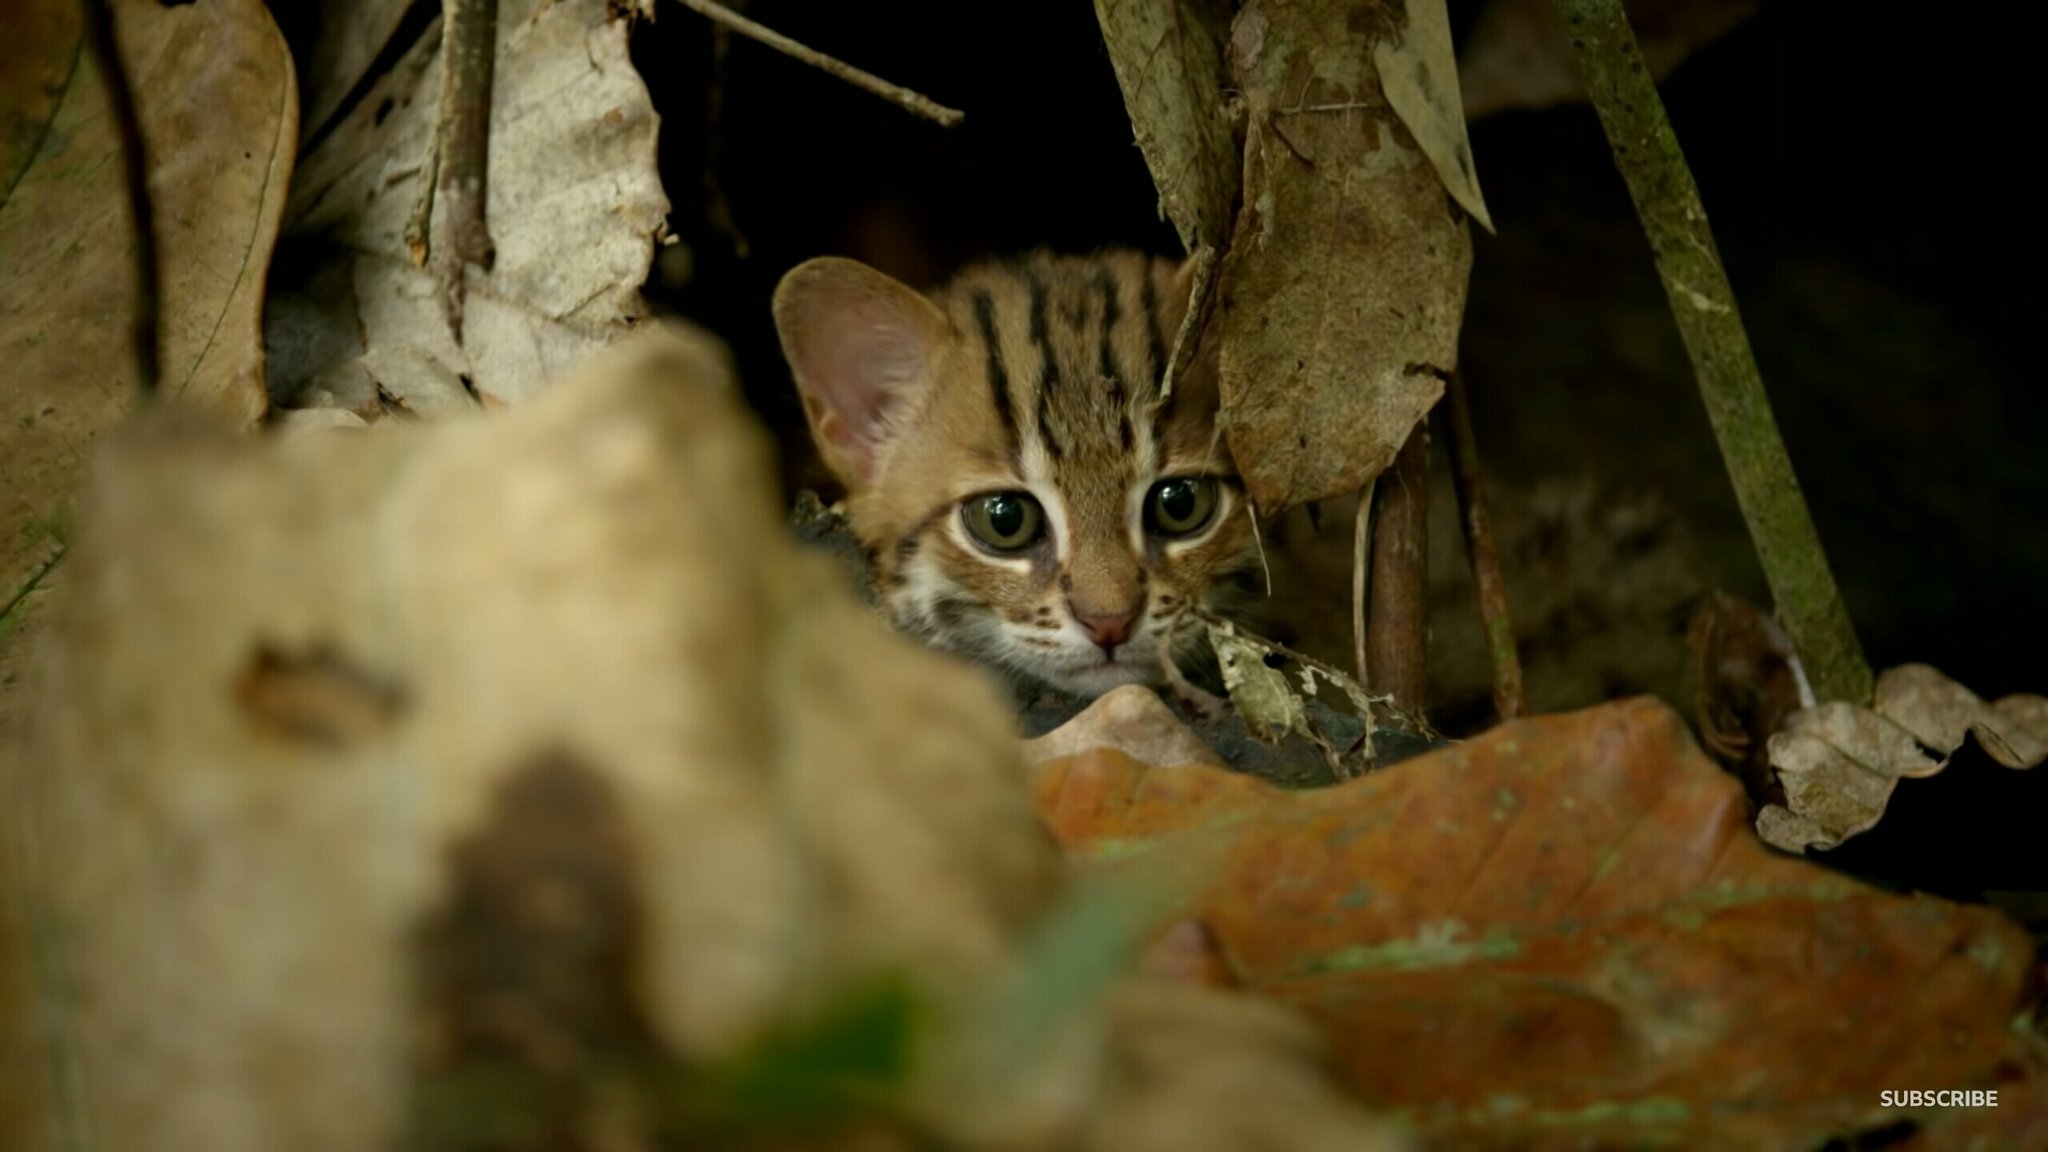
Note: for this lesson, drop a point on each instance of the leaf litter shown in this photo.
(1563, 934)
(576, 208)
(1334, 150)
(218, 112)
(1839, 763)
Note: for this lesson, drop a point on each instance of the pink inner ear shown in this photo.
(856, 358)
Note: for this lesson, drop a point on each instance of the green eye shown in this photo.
(1181, 506)
(1004, 521)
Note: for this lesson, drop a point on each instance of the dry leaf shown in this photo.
(40, 45)
(1839, 763)
(1344, 284)
(1197, 1070)
(1262, 695)
(335, 43)
(1168, 56)
(1562, 934)
(1132, 720)
(1519, 55)
(1420, 74)
(219, 116)
(575, 206)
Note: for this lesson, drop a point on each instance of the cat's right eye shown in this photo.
(1004, 521)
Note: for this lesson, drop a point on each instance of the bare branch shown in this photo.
(896, 94)
(1646, 151)
(469, 51)
(1508, 699)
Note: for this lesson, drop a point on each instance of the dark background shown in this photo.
(1870, 170)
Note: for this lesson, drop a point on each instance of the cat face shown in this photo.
(1029, 497)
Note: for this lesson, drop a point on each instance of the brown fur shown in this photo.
(917, 409)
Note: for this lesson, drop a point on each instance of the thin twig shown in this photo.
(1252, 513)
(1492, 591)
(717, 206)
(1361, 537)
(1191, 320)
(106, 52)
(469, 51)
(1668, 201)
(896, 94)
(1397, 632)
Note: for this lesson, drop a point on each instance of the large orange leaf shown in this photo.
(1565, 933)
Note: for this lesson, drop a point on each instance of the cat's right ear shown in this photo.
(862, 347)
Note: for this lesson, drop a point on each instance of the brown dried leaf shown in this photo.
(1202, 1071)
(1168, 56)
(219, 117)
(1839, 763)
(575, 206)
(1562, 934)
(1344, 284)
(1745, 683)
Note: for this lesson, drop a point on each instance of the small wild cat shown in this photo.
(1029, 498)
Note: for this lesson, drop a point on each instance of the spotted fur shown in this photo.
(1040, 375)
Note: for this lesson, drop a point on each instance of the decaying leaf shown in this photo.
(219, 117)
(1262, 695)
(1343, 288)
(575, 208)
(1519, 54)
(1839, 763)
(1562, 934)
(753, 835)
(1168, 56)
(1273, 708)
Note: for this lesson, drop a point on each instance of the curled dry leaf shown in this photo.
(1563, 934)
(1839, 763)
(575, 206)
(219, 117)
(1343, 288)
(1200, 1070)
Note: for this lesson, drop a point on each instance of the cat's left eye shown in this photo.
(1181, 506)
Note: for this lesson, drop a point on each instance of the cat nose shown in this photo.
(1107, 629)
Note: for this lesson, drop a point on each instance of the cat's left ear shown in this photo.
(862, 348)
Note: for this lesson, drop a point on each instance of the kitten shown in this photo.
(1028, 498)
